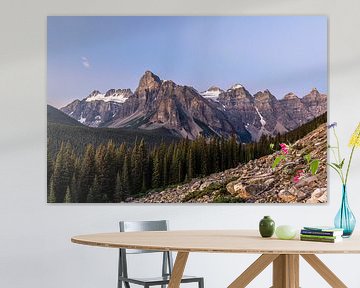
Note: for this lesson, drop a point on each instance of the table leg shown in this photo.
(286, 271)
(324, 271)
(178, 269)
(253, 270)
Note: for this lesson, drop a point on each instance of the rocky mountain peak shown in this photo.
(215, 88)
(110, 92)
(264, 96)
(315, 102)
(94, 93)
(168, 82)
(237, 91)
(127, 91)
(213, 92)
(290, 96)
(314, 96)
(148, 81)
(236, 86)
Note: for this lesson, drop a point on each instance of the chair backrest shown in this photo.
(137, 226)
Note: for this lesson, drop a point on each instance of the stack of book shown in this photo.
(321, 234)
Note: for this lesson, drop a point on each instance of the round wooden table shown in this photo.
(284, 254)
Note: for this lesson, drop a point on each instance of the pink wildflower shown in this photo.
(299, 174)
(284, 148)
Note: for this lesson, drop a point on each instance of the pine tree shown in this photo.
(234, 158)
(111, 171)
(143, 167)
(181, 159)
(74, 189)
(87, 173)
(63, 170)
(126, 177)
(90, 196)
(120, 155)
(174, 167)
(52, 196)
(204, 160)
(217, 156)
(101, 168)
(136, 169)
(156, 173)
(94, 195)
(148, 172)
(50, 170)
(191, 165)
(119, 190)
(165, 170)
(68, 198)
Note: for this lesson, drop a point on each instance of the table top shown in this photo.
(217, 241)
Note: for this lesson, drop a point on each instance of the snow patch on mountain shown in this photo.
(115, 97)
(82, 119)
(263, 130)
(262, 120)
(97, 120)
(236, 86)
(212, 93)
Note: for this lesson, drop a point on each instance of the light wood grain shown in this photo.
(286, 271)
(279, 272)
(253, 270)
(178, 269)
(324, 271)
(293, 270)
(221, 241)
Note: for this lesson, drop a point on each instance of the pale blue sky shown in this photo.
(280, 53)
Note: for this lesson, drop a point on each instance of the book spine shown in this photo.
(318, 236)
(317, 239)
(319, 233)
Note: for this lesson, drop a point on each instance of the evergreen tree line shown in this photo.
(112, 173)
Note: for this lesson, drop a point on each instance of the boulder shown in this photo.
(237, 189)
(286, 196)
(306, 181)
(318, 196)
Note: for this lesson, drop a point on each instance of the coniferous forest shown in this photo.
(113, 171)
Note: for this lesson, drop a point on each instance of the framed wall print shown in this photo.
(187, 109)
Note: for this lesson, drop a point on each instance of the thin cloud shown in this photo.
(85, 62)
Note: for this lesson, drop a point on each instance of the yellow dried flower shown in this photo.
(355, 138)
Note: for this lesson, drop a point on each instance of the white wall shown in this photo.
(35, 248)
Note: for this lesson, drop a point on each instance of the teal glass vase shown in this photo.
(345, 219)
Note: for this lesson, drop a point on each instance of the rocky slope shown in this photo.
(188, 113)
(257, 182)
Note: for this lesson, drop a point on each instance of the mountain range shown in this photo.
(185, 112)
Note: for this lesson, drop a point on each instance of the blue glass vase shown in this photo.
(345, 219)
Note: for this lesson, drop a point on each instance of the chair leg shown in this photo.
(201, 283)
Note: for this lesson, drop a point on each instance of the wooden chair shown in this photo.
(167, 262)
